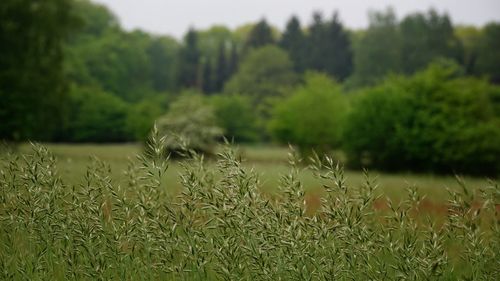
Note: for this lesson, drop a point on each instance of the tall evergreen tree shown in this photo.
(189, 61)
(260, 35)
(378, 49)
(221, 72)
(338, 53)
(207, 82)
(426, 37)
(315, 43)
(293, 41)
(233, 61)
(329, 47)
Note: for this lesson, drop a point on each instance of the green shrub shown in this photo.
(236, 116)
(96, 116)
(190, 124)
(220, 227)
(142, 116)
(312, 117)
(436, 120)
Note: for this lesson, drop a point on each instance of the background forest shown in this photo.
(415, 93)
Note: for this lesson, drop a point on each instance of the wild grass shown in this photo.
(125, 224)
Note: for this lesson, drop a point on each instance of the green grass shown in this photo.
(118, 223)
(268, 161)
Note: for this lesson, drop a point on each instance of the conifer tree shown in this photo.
(189, 61)
(260, 35)
(293, 41)
(221, 72)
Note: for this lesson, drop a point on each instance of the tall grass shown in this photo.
(221, 227)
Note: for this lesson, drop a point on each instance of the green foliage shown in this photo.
(264, 73)
(488, 58)
(96, 116)
(436, 120)
(260, 35)
(425, 37)
(236, 116)
(190, 124)
(189, 62)
(294, 42)
(378, 52)
(329, 47)
(220, 227)
(312, 117)
(142, 116)
(32, 83)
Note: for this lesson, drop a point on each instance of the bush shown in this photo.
(142, 116)
(220, 227)
(96, 116)
(190, 123)
(236, 116)
(436, 120)
(312, 117)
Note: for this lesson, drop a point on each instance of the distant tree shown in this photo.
(237, 117)
(221, 71)
(96, 116)
(377, 53)
(315, 44)
(190, 123)
(426, 37)
(141, 116)
(207, 82)
(233, 61)
(260, 35)
(470, 38)
(264, 73)
(293, 41)
(488, 60)
(436, 120)
(163, 52)
(329, 47)
(312, 117)
(189, 61)
(32, 80)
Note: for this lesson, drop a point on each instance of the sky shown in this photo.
(175, 17)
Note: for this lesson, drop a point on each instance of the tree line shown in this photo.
(68, 64)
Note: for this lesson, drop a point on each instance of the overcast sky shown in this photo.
(175, 17)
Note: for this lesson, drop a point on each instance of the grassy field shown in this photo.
(223, 226)
(268, 161)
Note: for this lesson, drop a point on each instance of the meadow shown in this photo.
(68, 215)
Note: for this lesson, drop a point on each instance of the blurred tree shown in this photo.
(236, 116)
(426, 37)
(96, 116)
(163, 52)
(338, 53)
(265, 72)
(329, 47)
(436, 120)
(312, 117)
(470, 38)
(377, 53)
(32, 82)
(189, 61)
(488, 60)
(233, 61)
(293, 41)
(190, 123)
(208, 82)
(260, 35)
(142, 115)
(221, 72)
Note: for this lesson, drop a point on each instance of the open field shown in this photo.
(268, 161)
(226, 225)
